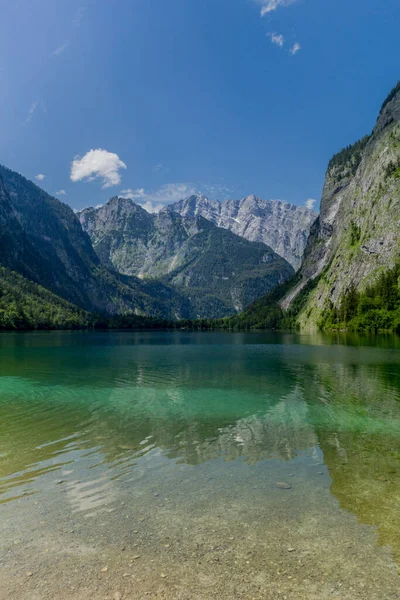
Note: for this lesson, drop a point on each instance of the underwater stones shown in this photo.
(282, 485)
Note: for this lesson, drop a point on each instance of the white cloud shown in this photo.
(268, 6)
(133, 194)
(40, 177)
(98, 164)
(310, 203)
(277, 38)
(295, 49)
(60, 49)
(61, 193)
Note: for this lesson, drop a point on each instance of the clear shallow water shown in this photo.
(153, 452)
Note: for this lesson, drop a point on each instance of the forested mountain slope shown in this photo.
(27, 305)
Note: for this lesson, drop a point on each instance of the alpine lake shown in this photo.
(198, 466)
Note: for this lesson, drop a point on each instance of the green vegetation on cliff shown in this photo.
(350, 156)
(375, 309)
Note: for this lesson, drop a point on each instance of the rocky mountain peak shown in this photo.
(116, 208)
(122, 204)
(390, 110)
(252, 199)
(196, 204)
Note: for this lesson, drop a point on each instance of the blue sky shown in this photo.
(176, 96)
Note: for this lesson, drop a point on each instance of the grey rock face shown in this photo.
(135, 242)
(282, 226)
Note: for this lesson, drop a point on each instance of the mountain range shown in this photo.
(219, 272)
(123, 260)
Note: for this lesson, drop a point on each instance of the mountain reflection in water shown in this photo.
(104, 405)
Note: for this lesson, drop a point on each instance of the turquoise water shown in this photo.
(141, 453)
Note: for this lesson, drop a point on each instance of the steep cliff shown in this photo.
(356, 237)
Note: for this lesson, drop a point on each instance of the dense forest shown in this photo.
(377, 308)
(25, 305)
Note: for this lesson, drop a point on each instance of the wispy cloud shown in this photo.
(80, 13)
(40, 177)
(295, 49)
(268, 6)
(61, 193)
(60, 49)
(277, 39)
(133, 194)
(310, 203)
(159, 168)
(157, 199)
(34, 107)
(217, 191)
(76, 22)
(98, 164)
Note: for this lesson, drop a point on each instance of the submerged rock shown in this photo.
(283, 486)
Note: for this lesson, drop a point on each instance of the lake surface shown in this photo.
(199, 466)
